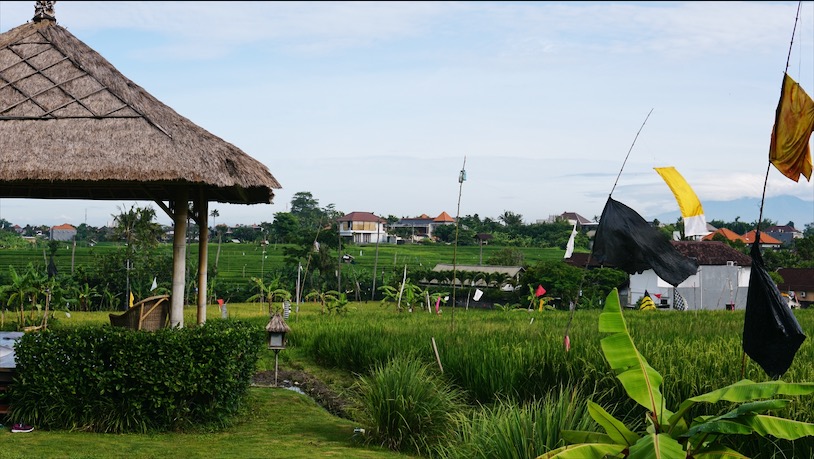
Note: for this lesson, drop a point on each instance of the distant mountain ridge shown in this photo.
(781, 209)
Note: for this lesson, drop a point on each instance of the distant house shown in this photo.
(766, 241)
(363, 228)
(725, 232)
(785, 233)
(423, 225)
(64, 232)
(574, 218)
(798, 283)
(722, 279)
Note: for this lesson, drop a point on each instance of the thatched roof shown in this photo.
(277, 325)
(72, 126)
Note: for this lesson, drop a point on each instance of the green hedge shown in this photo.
(107, 379)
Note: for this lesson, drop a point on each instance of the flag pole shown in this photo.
(461, 180)
(756, 242)
(629, 150)
(573, 306)
(375, 263)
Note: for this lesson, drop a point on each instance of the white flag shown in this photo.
(569, 248)
(155, 284)
(478, 294)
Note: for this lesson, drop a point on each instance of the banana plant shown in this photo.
(280, 295)
(326, 299)
(676, 435)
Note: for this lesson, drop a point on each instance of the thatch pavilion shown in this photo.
(73, 127)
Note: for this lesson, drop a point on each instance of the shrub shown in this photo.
(106, 379)
(407, 406)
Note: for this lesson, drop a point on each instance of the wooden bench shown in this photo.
(148, 314)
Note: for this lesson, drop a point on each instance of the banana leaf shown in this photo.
(745, 391)
(616, 429)
(585, 450)
(779, 427)
(581, 436)
(718, 452)
(657, 446)
(641, 382)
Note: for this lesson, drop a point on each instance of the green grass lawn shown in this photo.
(280, 423)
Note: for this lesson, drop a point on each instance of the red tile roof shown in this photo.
(725, 232)
(360, 217)
(764, 238)
(444, 217)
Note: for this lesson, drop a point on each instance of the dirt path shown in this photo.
(308, 384)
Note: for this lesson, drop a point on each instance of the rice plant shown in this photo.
(407, 406)
(507, 430)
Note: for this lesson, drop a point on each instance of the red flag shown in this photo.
(540, 291)
(567, 343)
(220, 303)
(657, 295)
(438, 305)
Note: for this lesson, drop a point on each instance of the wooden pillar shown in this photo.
(203, 255)
(179, 254)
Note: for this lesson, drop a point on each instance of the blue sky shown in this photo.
(374, 106)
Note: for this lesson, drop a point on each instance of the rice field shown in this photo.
(518, 358)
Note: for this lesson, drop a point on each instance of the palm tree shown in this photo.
(137, 228)
(214, 214)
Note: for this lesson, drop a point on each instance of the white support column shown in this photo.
(203, 255)
(179, 254)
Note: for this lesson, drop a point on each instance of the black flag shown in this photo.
(771, 333)
(625, 240)
(52, 268)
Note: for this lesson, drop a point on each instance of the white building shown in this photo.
(364, 228)
(64, 232)
(722, 279)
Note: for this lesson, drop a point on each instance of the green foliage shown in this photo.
(405, 295)
(597, 284)
(407, 406)
(109, 271)
(331, 301)
(561, 280)
(33, 290)
(12, 240)
(683, 433)
(106, 379)
(136, 227)
(507, 430)
(507, 256)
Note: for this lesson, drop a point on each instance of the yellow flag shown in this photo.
(647, 303)
(131, 299)
(695, 223)
(794, 121)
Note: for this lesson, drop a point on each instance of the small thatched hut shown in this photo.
(73, 127)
